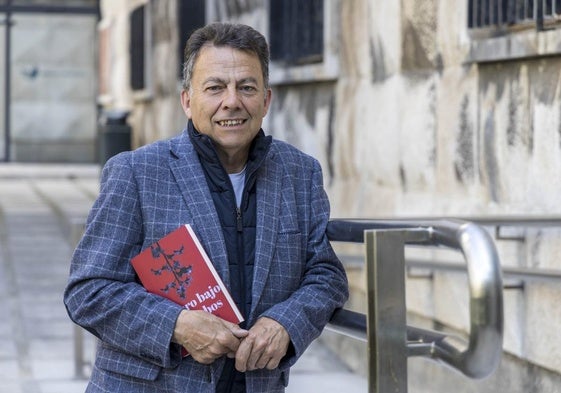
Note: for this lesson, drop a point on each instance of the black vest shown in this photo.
(238, 227)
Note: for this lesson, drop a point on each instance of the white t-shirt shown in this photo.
(238, 181)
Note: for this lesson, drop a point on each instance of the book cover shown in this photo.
(178, 268)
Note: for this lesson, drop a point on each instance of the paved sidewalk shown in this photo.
(38, 204)
(36, 336)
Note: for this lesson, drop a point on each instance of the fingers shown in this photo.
(268, 360)
(262, 352)
(236, 330)
(207, 337)
(264, 346)
(243, 353)
(256, 353)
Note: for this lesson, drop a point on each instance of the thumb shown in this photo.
(236, 330)
(239, 332)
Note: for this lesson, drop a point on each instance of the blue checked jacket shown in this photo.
(147, 193)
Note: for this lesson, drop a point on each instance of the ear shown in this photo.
(186, 103)
(268, 97)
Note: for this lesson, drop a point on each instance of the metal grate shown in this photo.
(506, 13)
(137, 32)
(296, 31)
(191, 16)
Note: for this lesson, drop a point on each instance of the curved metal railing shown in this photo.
(478, 357)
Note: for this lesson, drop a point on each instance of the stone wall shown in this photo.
(418, 128)
(155, 111)
(427, 131)
(414, 116)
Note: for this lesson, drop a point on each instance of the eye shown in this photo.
(248, 89)
(214, 88)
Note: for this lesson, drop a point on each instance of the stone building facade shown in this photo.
(413, 111)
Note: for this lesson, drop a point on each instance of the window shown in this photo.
(62, 3)
(191, 15)
(503, 14)
(502, 30)
(296, 31)
(137, 49)
(53, 6)
(304, 40)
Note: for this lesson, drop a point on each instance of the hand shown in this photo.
(207, 337)
(264, 346)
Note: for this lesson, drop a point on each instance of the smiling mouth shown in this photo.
(231, 123)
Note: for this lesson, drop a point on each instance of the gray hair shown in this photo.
(231, 35)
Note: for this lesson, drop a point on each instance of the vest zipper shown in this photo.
(239, 222)
(241, 265)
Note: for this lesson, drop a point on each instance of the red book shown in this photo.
(178, 268)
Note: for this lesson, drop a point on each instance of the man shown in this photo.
(260, 211)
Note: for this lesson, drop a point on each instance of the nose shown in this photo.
(231, 98)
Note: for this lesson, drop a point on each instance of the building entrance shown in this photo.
(48, 81)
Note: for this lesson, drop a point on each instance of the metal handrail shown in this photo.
(480, 356)
(518, 273)
(517, 220)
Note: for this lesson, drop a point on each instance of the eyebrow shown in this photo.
(223, 81)
(215, 80)
(247, 80)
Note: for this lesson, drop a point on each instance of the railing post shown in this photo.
(81, 359)
(387, 332)
(389, 340)
(79, 362)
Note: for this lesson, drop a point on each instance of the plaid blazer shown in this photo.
(147, 193)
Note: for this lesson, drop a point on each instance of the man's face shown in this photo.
(227, 99)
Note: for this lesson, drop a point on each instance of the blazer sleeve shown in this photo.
(102, 295)
(323, 287)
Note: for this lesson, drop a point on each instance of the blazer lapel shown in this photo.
(188, 173)
(268, 205)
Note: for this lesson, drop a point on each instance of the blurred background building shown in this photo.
(415, 108)
(48, 80)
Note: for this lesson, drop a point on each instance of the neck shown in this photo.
(233, 163)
